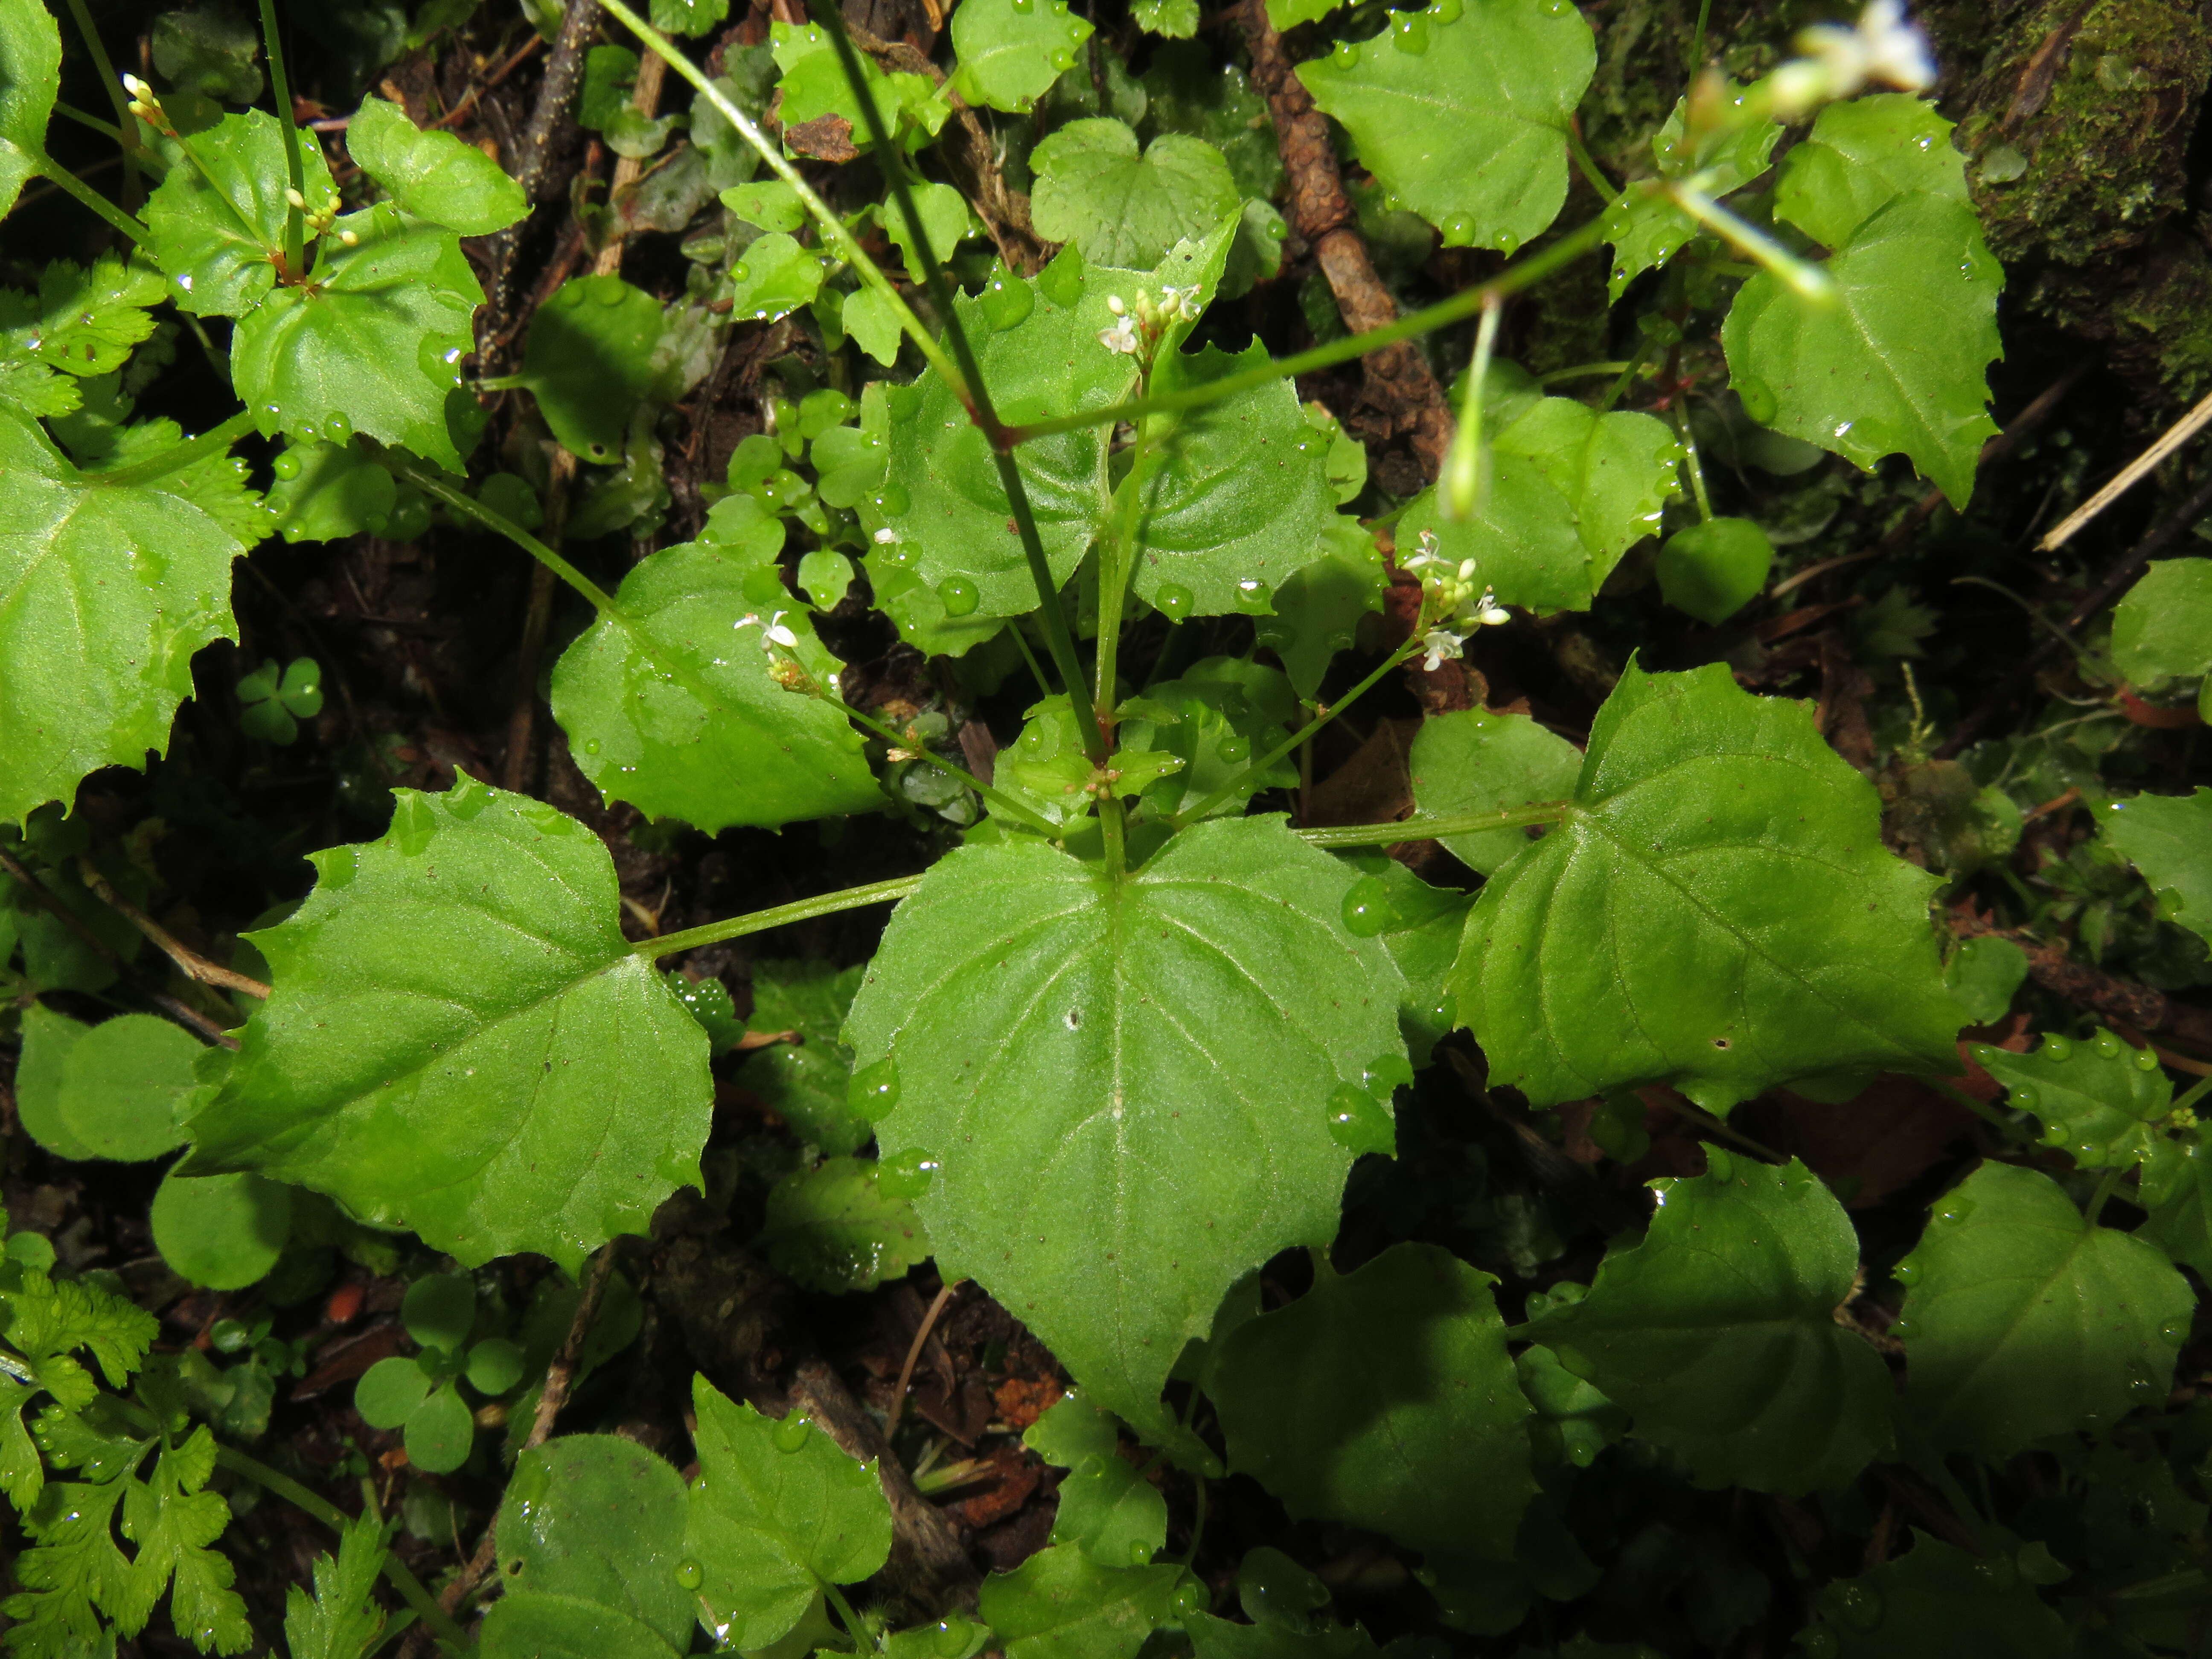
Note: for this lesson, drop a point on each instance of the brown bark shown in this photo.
(1398, 387)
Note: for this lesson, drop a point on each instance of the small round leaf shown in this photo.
(439, 1432)
(389, 1392)
(223, 1232)
(439, 1310)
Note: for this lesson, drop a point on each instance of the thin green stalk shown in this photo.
(125, 133)
(87, 119)
(1462, 306)
(834, 231)
(2096, 1205)
(1304, 735)
(1435, 829)
(1582, 372)
(1629, 371)
(213, 441)
(759, 922)
(87, 196)
(1113, 833)
(410, 1587)
(1690, 460)
(1588, 163)
(969, 383)
(430, 484)
(1005, 803)
(1807, 280)
(1981, 1109)
(2190, 1096)
(849, 1618)
(296, 170)
(1698, 40)
(1463, 468)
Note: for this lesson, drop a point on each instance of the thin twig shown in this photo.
(194, 965)
(521, 55)
(914, 1353)
(182, 1013)
(2169, 441)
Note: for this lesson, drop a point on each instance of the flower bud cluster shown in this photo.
(1136, 333)
(1452, 607)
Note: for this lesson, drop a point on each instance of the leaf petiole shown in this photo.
(1003, 802)
(213, 441)
(759, 921)
(468, 506)
(71, 185)
(1435, 829)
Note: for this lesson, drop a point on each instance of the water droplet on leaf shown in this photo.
(691, 1574)
(906, 1174)
(1860, 1606)
(791, 1433)
(1358, 1121)
(1367, 907)
(959, 596)
(1173, 602)
(874, 1090)
(1236, 749)
(2107, 1045)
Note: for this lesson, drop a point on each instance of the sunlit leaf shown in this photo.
(462, 1043)
(1465, 121)
(1011, 51)
(1716, 911)
(433, 175)
(1154, 1060)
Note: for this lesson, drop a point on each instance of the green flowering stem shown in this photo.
(1690, 459)
(1303, 736)
(1461, 306)
(126, 131)
(969, 385)
(834, 232)
(295, 175)
(1001, 801)
(1802, 277)
(395, 1571)
(1463, 469)
(759, 922)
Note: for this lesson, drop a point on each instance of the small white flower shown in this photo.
(1181, 302)
(1492, 615)
(886, 536)
(1114, 304)
(1122, 338)
(1466, 570)
(777, 633)
(1427, 555)
(1441, 646)
(1838, 60)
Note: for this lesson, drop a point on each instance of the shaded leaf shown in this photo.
(2101, 1100)
(1011, 51)
(670, 700)
(778, 1509)
(1061, 1604)
(835, 1229)
(1124, 208)
(2023, 1319)
(1384, 1399)
(106, 591)
(433, 175)
(600, 1519)
(1477, 760)
(2163, 629)
(1716, 1334)
(2169, 839)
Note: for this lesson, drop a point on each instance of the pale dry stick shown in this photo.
(2171, 440)
(193, 965)
(914, 1353)
(182, 1013)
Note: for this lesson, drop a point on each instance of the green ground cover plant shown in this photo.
(1412, 1037)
